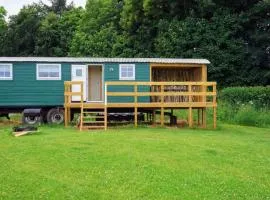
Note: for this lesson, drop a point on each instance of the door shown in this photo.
(95, 83)
(78, 73)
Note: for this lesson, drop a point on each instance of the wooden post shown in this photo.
(162, 116)
(81, 117)
(66, 116)
(105, 117)
(135, 105)
(214, 106)
(162, 104)
(154, 117)
(136, 117)
(199, 117)
(190, 117)
(204, 117)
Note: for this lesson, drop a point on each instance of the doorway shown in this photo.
(95, 83)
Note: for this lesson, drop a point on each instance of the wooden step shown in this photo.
(93, 127)
(92, 112)
(93, 122)
(93, 117)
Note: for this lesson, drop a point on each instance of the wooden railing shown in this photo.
(69, 93)
(166, 93)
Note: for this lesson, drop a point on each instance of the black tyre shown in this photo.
(31, 120)
(55, 116)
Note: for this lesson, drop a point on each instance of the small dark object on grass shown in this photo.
(23, 130)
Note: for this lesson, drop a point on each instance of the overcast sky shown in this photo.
(13, 6)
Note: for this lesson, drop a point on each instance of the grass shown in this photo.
(232, 162)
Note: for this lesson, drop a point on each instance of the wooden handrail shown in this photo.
(128, 83)
(162, 93)
(142, 94)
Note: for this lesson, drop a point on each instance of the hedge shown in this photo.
(258, 96)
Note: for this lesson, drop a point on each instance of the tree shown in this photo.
(22, 31)
(98, 29)
(256, 32)
(200, 38)
(59, 6)
(56, 32)
(3, 30)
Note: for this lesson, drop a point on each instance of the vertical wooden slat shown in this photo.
(162, 116)
(190, 117)
(154, 117)
(136, 105)
(162, 104)
(162, 93)
(199, 117)
(136, 116)
(204, 117)
(189, 96)
(214, 108)
(81, 117)
(105, 117)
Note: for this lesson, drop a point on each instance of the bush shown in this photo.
(245, 106)
(247, 115)
(236, 96)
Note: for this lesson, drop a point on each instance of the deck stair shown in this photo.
(92, 119)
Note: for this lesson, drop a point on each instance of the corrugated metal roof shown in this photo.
(103, 60)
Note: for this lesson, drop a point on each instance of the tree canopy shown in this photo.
(233, 35)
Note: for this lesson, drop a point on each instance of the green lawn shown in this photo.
(232, 162)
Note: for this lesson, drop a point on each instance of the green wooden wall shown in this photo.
(25, 90)
(111, 73)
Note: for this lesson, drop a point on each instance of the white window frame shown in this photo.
(11, 71)
(48, 78)
(127, 78)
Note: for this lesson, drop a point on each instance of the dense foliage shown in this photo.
(233, 35)
(257, 96)
(245, 105)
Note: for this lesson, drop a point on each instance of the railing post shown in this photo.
(215, 106)
(190, 116)
(135, 104)
(162, 105)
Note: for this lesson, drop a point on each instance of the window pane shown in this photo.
(49, 71)
(5, 71)
(79, 72)
(7, 74)
(127, 71)
(130, 74)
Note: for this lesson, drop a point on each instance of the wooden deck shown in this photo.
(160, 95)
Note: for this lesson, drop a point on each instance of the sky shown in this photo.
(13, 6)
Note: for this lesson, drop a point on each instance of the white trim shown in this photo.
(105, 94)
(127, 78)
(11, 72)
(103, 60)
(48, 78)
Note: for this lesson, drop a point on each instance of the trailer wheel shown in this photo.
(55, 116)
(31, 120)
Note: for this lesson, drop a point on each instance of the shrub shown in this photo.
(236, 96)
(247, 115)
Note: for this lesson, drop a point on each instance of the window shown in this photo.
(79, 72)
(127, 72)
(48, 72)
(6, 72)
